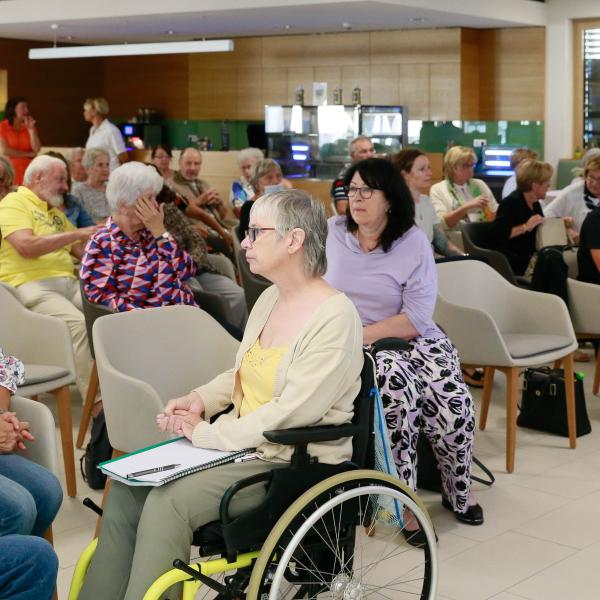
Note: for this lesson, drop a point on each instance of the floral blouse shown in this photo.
(12, 372)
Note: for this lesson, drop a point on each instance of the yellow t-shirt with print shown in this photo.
(257, 376)
(24, 210)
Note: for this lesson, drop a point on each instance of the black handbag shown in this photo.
(98, 450)
(428, 473)
(543, 403)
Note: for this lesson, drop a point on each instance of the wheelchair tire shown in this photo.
(322, 545)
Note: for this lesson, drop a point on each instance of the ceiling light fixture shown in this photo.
(131, 49)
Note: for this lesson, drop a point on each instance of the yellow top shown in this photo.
(257, 376)
(24, 210)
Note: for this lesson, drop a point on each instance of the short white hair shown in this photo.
(254, 154)
(130, 181)
(72, 154)
(91, 155)
(41, 164)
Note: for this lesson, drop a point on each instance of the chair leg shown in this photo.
(557, 363)
(512, 384)
(596, 386)
(89, 404)
(65, 424)
(570, 399)
(488, 382)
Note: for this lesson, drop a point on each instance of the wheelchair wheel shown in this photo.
(322, 547)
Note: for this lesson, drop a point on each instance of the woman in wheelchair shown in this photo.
(393, 286)
(298, 364)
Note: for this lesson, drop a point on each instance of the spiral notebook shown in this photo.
(169, 460)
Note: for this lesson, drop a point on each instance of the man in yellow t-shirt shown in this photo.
(35, 253)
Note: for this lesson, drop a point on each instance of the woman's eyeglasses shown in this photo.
(365, 192)
(254, 232)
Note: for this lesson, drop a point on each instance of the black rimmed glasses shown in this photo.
(365, 191)
(254, 232)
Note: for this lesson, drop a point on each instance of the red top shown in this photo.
(17, 139)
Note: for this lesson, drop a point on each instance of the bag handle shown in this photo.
(491, 479)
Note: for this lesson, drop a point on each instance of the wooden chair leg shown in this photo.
(557, 363)
(512, 385)
(89, 404)
(570, 399)
(596, 386)
(488, 382)
(65, 424)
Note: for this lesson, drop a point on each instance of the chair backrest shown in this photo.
(44, 450)
(362, 444)
(91, 312)
(146, 357)
(475, 242)
(254, 285)
(552, 232)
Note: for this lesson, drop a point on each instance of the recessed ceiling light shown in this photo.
(347, 26)
(54, 26)
(418, 20)
(287, 27)
(170, 32)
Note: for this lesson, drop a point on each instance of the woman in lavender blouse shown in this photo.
(383, 262)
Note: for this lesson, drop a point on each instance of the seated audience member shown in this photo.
(35, 253)
(393, 286)
(7, 176)
(513, 232)
(203, 201)
(161, 156)
(28, 568)
(72, 207)
(19, 139)
(74, 159)
(578, 172)
(574, 202)
(103, 133)
(461, 197)
(30, 495)
(588, 253)
(92, 192)
(413, 165)
(265, 177)
(207, 276)
(518, 156)
(241, 190)
(298, 365)
(133, 261)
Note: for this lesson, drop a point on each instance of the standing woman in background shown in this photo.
(19, 139)
(103, 133)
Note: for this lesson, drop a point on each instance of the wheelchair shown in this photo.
(321, 532)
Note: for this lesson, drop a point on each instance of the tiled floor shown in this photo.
(541, 538)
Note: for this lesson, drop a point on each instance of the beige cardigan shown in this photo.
(316, 383)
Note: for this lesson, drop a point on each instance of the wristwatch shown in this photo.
(163, 236)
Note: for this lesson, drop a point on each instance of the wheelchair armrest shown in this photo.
(389, 343)
(234, 488)
(305, 435)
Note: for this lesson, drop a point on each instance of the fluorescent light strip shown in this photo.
(131, 49)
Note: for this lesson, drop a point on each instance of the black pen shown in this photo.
(150, 471)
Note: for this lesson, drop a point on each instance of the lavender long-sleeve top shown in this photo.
(384, 284)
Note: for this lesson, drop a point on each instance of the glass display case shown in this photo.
(591, 88)
(312, 141)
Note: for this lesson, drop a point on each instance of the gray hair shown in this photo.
(254, 154)
(72, 153)
(360, 138)
(290, 209)
(41, 164)
(9, 172)
(260, 169)
(100, 105)
(91, 155)
(130, 181)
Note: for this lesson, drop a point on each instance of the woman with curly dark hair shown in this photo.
(383, 262)
(19, 138)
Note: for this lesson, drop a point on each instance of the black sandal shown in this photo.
(474, 379)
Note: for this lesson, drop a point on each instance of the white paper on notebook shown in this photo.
(179, 451)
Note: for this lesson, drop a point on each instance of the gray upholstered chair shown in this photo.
(44, 345)
(584, 307)
(502, 327)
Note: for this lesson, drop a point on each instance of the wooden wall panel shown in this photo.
(299, 77)
(333, 77)
(444, 97)
(201, 88)
(249, 96)
(356, 76)
(470, 69)
(56, 90)
(411, 46)
(275, 87)
(413, 90)
(384, 84)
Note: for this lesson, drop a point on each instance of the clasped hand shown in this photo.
(181, 415)
(151, 214)
(13, 433)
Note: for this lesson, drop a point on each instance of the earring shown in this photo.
(389, 210)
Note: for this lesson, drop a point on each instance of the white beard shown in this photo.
(55, 201)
